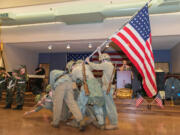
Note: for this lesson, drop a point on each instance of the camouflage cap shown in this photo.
(22, 66)
(79, 61)
(48, 88)
(38, 98)
(69, 65)
(15, 71)
(104, 56)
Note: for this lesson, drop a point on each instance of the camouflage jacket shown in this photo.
(107, 68)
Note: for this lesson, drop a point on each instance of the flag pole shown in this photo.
(3, 59)
(1, 45)
(108, 40)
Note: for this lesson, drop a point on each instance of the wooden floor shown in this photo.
(13, 123)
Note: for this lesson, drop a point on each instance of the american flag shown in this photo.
(116, 58)
(139, 100)
(77, 56)
(158, 100)
(134, 39)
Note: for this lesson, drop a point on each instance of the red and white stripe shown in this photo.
(140, 54)
(116, 58)
(139, 101)
(159, 102)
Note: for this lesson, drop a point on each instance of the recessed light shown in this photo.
(50, 47)
(89, 45)
(107, 45)
(68, 46)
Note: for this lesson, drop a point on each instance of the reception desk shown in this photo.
(36, 76)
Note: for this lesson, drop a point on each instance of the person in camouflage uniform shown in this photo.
(95, 99)
(44, 102)
(11, 82)
(109, 108)
(2, 81)
(20, 87)
(69, 66)
(61, 85)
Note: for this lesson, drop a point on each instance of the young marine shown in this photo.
(95, 98)
(11, 82)
(61, 85)
(45, 102)
(20, 87)
(2, 80)
(107, 67)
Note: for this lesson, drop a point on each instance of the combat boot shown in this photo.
(96, 124)
(8, 106)
(18, 107)
(54, 125)
(82, 125)
(73, 123)
(111, 127)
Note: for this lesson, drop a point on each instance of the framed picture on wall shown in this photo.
(162, 66)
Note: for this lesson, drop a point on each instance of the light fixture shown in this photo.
(107, 45)
(50, 47)
(68, 46)
(89, 45)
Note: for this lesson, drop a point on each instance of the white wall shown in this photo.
(15, 56)
(175, 58)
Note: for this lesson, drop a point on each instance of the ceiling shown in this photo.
(80, 11)
(21, 3)
(158, 42)
(79, 22)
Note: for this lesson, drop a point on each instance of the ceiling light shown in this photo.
(50, 47)
(89, 45)
(68, 46)
(107, 45)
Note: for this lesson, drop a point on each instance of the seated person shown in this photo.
(125, 66)
(37, 87)
(40, 70)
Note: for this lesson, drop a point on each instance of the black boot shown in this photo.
(8, 106)
(82, 125)
(18, 107)
(163, 101)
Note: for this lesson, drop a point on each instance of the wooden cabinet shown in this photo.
(47, 69)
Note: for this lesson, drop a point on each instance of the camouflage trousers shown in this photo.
(2, 87)
(110, 108)
(20, 89)
(64, 94)
(9, 96)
